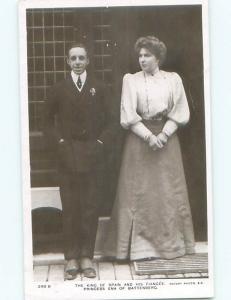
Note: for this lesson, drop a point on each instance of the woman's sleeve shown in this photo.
(179, 114)
(129, 119)
(128, 115)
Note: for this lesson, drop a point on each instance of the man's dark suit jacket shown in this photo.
(80, 118)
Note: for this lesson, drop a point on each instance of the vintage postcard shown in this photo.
(116, 139)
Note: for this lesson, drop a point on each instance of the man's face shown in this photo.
(78, 60)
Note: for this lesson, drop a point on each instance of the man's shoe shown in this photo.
(87, 267)
(71, 269)
(89, 272)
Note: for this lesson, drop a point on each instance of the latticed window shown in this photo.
(48, 33)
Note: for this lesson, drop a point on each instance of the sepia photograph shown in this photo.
(116, 158)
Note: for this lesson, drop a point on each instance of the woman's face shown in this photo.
(148, 62)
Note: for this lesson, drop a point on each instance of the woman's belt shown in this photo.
(155, 119)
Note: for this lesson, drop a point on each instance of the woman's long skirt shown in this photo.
(151, 216)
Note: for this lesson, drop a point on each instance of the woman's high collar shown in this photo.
(155, 73)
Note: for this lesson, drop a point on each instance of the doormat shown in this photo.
(193, 263)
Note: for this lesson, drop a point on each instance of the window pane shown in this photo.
(39, 79)
(39, 64)
(29, 49)
(30, 79)
(68, 19)
(59, 63)
(29, 34)
(58, 19)
(38, 47)
(106, 33)
(48, 19)
(69, 34)
(38, 94)
(38, 19)
(59, 49)
(49, 64)
(49, 49)
(38, 34)
(107, 62)
(59, 35)
(29, 18)
(30, 62)
(48, 34)
(49, 79)
(30, 94)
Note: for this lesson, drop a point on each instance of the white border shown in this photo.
(28, 257)
(103, 3)
(208, 135)
(68, 290)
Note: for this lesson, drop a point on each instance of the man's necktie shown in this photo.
(79, 83)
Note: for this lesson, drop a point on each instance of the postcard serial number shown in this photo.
(44, 286)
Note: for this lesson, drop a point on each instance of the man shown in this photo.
(80, 125)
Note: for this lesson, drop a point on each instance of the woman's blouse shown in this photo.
(153, 97)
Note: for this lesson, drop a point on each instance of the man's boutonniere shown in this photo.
(93, 91)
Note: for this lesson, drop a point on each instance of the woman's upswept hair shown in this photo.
(154, 45)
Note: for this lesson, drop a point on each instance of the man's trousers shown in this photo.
(80, 203)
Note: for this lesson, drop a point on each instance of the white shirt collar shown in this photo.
(75, 77)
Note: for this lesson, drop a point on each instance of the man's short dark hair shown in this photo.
(76, 45)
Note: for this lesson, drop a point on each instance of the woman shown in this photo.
(151, 216)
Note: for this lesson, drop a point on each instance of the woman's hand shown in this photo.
(162, 138)
(154, 142)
